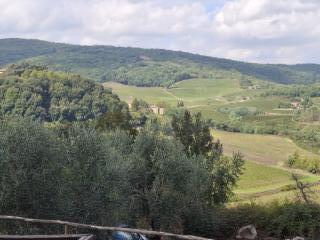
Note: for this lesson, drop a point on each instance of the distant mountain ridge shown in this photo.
(144, 67)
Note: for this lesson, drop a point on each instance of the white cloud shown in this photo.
(251, 30)
(282, 30)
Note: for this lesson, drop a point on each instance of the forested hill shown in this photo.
(35, 92)
(144, 67)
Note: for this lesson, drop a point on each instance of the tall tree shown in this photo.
(160, 177)
(194, 133)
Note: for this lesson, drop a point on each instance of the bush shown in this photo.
(273, 220)
(310, 164)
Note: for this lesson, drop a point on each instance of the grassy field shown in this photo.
(267, 149)
(152, 95)
(205, 91)
(265, 176)
(260, 178)
(193, 92)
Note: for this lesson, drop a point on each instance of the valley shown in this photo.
(266, 174)
(110, 108)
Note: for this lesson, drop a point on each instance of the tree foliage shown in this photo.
(145, 67)
(32, 91)
(194, 133)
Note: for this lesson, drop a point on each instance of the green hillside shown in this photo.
(144, 67)
(40, 94)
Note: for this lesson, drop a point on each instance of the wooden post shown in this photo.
(66, 229)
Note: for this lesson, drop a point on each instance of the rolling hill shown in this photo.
(145, 67)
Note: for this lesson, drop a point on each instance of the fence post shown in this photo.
(66, 229)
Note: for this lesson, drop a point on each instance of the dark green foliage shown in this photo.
(13, 50)
(30, 169)
(95, 188)
(144, 67)
(113, 120)
(180, 104)
(32, 91)
(135, 105)
(80, 174)
(161, 181)
(19, 69)
(224, 174)
(138, 105)
(312, 90)
(245, 82)
(182, 127)
(76, 173)
(293, 159)
(194, 133)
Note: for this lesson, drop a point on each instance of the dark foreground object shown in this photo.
(48, 237)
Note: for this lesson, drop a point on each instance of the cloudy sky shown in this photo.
(285, 31)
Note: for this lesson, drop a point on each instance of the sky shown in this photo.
(264, 31)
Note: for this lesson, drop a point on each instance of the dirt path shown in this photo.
(170, 93)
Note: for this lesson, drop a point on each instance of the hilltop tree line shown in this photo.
(144, 67)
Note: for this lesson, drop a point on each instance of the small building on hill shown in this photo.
(2, 71)
(157, 110)
(295, 104)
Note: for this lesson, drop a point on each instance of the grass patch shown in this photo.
(258, 177)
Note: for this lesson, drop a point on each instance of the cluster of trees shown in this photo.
(33, 91)
(152, 74)
(83, 174)
(293, 91)
(139, 105)
(308, 137)
(237, 113)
